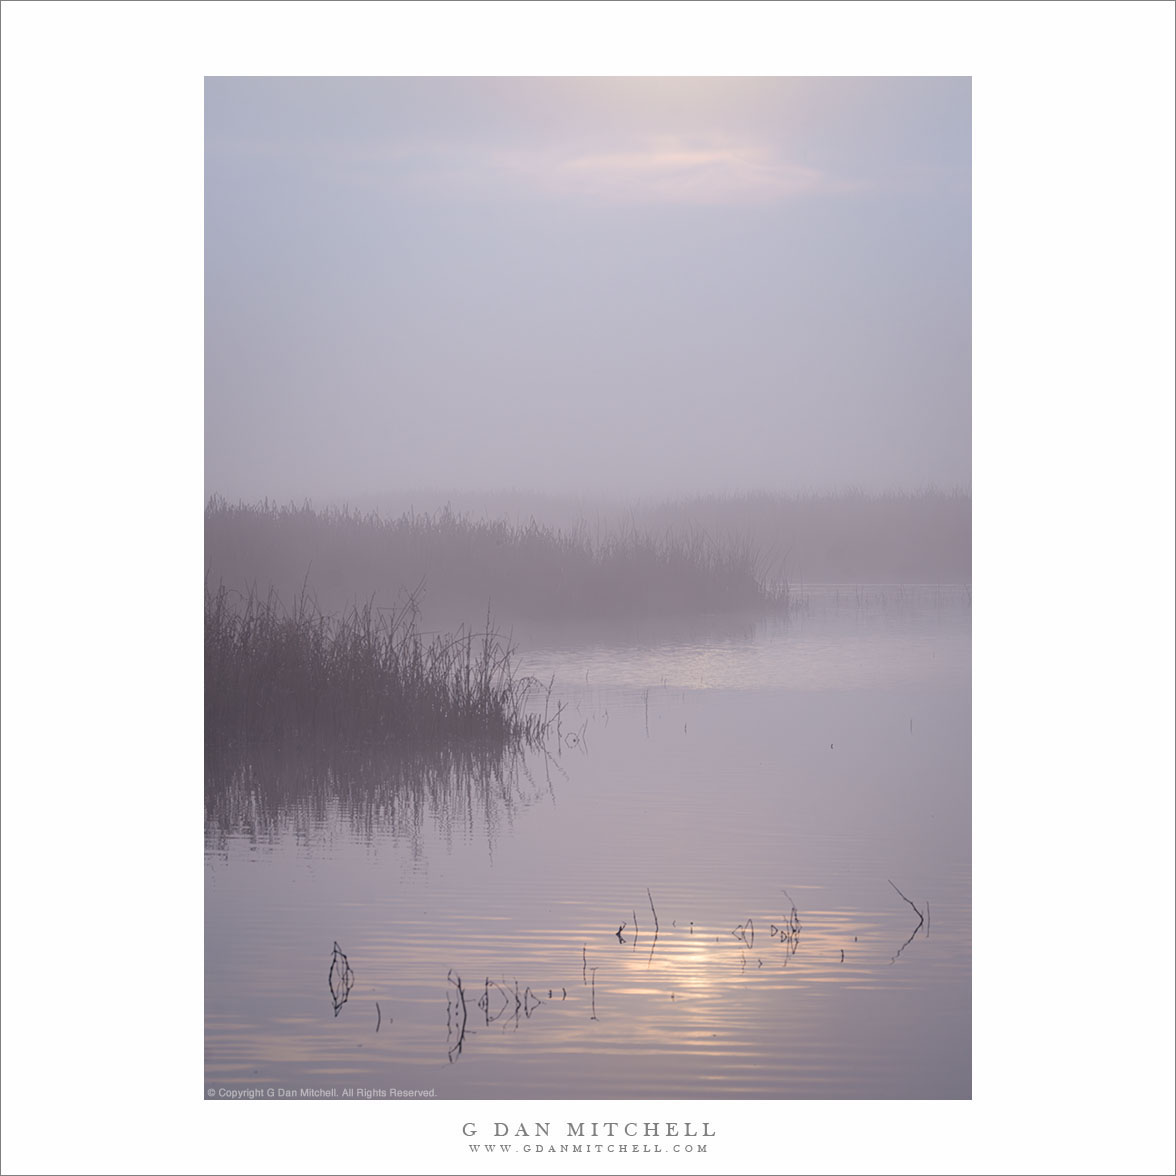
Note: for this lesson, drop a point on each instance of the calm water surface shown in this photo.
(693, 894)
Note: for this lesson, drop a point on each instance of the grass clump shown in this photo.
(366, 679)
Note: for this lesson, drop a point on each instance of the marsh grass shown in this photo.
(525, 571)
(364, 680)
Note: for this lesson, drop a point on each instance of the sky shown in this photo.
(597, 286)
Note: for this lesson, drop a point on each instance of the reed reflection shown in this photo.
(704, 978)
(503, 1004)
(270, 793)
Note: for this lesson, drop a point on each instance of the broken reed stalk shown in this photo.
(909, 903)
(746, 932)
(453, 1006)
(340, 978)
(656, 929)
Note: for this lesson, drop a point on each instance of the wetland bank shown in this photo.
(658, 848)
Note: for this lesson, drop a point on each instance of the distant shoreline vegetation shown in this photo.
(458, 565)
(847, 536)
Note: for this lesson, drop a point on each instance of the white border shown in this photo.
(102, 486)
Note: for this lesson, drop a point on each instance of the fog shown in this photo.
(621, 287)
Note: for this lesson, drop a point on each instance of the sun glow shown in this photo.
(671, 170)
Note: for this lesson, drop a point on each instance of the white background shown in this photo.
(102, 555)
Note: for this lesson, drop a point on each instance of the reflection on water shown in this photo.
(759, 890)
(456, 789)
(697, 964)
(833, 638)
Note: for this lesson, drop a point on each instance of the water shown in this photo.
(742, 871)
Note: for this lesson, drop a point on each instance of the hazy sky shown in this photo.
(622, 285)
